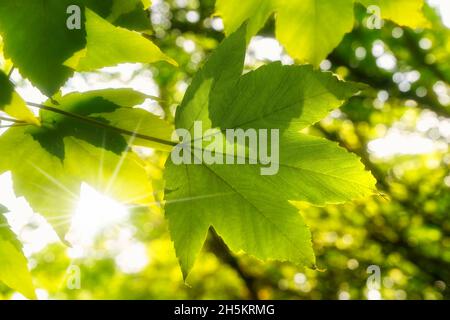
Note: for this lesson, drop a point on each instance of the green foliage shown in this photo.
(12, 104)
(48, 163)
(13, 265)
(291, 220)
(7, 90)
(50, 43)
(222, 196)
(311, 29)
(108, 45)
(403, 12)
(130, 15)
(26, 24)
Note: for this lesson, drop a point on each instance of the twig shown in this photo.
(10, 72)
(15, 125)
(221, 250)
(11, 120)
(101, 124)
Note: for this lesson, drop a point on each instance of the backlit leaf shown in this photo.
(13, 264)
(12, 103)
(250, 211)
(49, 163)
(403, 12)
(311, 29)
(108, 45)
(50, 43)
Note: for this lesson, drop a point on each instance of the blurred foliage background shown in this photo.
(401, 130)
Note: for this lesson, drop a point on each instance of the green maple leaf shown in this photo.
(49, 163)
(130, 14)
(403, 12)
(7, 90)
(108, 45)
(13, 264)
(250, 211)
(311, 29)
(49, 43)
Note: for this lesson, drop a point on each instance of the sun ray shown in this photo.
(102, 158)
(48, 191)
(53, 180)
(61, 223)
(122, 159)
(136, 199)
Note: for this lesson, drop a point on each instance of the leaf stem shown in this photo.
(102, 125)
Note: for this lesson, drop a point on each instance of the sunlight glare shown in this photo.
(374, 295)
(133, 259)
(401, 143)
(95, 212)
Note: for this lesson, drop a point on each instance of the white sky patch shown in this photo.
(160, 11)
(192, 16)
(373, 294)
(377, 48)
(133, 258)
(26, 90)
(428, 120)
(387, 61)
(384, 59)
(126, 75)
(217, 24)
(398, 142)
(40, 293)
(32, 229)
(325, 65)
(263, 49)
(444, 9)
(443, 92)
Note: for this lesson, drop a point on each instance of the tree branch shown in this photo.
(102, 125)
(220, 249)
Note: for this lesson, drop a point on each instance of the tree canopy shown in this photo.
(93, 95)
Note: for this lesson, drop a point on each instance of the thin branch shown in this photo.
(15, 125)
(10, 72)
(102, 125)
(220, 249)
(252, 282)
(11, 120)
